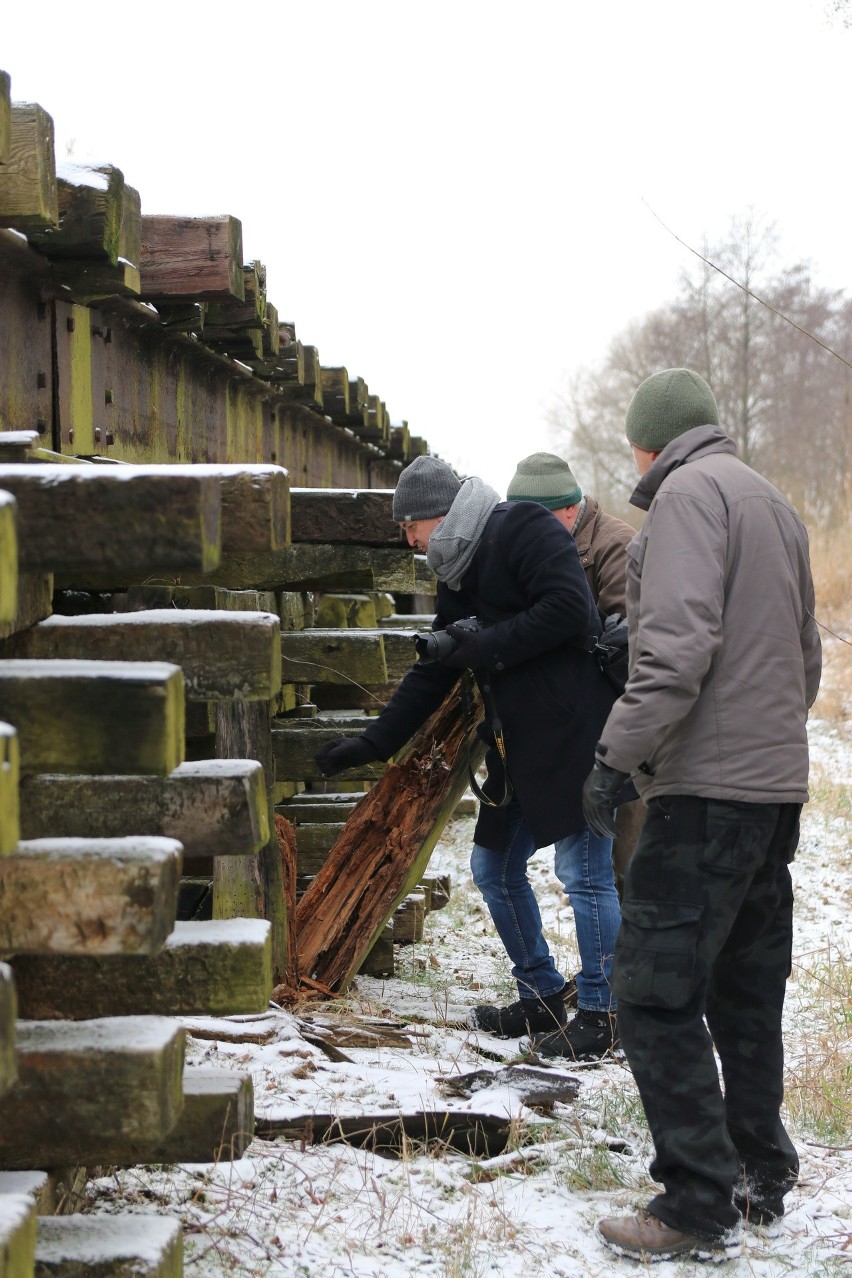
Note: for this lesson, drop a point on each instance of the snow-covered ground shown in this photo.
(331, 1210)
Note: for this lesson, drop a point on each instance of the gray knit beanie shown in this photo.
(666, 405)
(547, 479)
(426, 489)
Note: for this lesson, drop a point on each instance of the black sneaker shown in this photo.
(526, 1016)
(588, 1036)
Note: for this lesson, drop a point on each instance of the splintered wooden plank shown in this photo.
(333, 656)
(89, 896)
(28, 178)
(115, 518)
(8, 558)
(126, 1245)
(221, 967)
(213, 968)
(8, 1016)
(296, 741)
(18, 1221)
(192, 259)
(385, 846)
(95, 716)
(214, 807)
(353, 516)
(85, 1088)
(10, 829)
(5, 116)
(222, 654)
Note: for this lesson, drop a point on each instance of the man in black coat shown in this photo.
(516, 569)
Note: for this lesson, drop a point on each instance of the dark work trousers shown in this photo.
(707, 926)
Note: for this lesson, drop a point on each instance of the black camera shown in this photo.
(437, 644)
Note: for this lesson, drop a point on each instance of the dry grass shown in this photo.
(818, 1086)
(832, 568)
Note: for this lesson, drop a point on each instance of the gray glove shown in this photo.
(346, 752)
(600, 791)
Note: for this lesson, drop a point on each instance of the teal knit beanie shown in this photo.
(547, 479)
(666, 405)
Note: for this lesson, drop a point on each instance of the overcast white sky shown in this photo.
(451, 197)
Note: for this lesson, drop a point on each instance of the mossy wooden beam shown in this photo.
(359, 516)
(112, 519)
(126, 1245)
(255, 506)
(191, 259)
(218, 968)
(18, 1225)
(296, 741)
(313, 844)
(28, 178)
(97, 212)
(95, 716)
(400, 652)
(10, 830)
(5, 116)
(214, 807)
(8, 1016)
(333, 656)
(85, 1088)
(316, 808)
(335, 393)
(222, 654)
(89, 896)
(344, 611)
(308, 567)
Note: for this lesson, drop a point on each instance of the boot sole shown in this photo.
(694, 1251)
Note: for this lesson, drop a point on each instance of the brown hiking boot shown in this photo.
(646, 1237)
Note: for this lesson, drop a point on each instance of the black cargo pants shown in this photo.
(702, 958)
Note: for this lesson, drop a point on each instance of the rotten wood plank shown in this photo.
(89, 896)
(479, 1135)
(85, 1088)
(214, 807)
(214, 968)
(385, 846)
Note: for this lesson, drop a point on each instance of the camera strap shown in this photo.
(497, 730)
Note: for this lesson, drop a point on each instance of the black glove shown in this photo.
(466, 655)
(600, 790)
(346, 752)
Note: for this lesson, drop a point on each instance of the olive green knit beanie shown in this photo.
(547, 479)
(666, 405)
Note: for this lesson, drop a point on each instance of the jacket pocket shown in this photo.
(655, 953)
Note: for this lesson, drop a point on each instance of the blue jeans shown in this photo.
(583, 864)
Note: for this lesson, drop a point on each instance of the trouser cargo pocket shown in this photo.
(655, 953)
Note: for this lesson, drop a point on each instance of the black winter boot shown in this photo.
(526, 1016)
(588, 1036)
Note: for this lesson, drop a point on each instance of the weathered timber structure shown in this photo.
(200, 580)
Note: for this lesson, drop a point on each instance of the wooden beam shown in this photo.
(89, 896)
(191, 259)
(215, 807)
(28, 178)
(18, 1223)
(296, 741)
(478, 1135)
(360, 516)
(8, 1016)
(313, 844)
(335, 393)
(5, 116)
(8, 559)
(112, 519)
(95, 716)
(9, 789)
(85, 1088)
(255, 506)
(217, 968)
(308, 567)
(126, 1245)
(222, 654)
(93, 220)
(333, 656)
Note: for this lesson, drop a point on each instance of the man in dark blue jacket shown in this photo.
(515, 568)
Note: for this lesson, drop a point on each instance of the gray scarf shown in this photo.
(454, 542)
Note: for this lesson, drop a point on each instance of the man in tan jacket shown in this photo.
(601, 540)
(724, 664)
